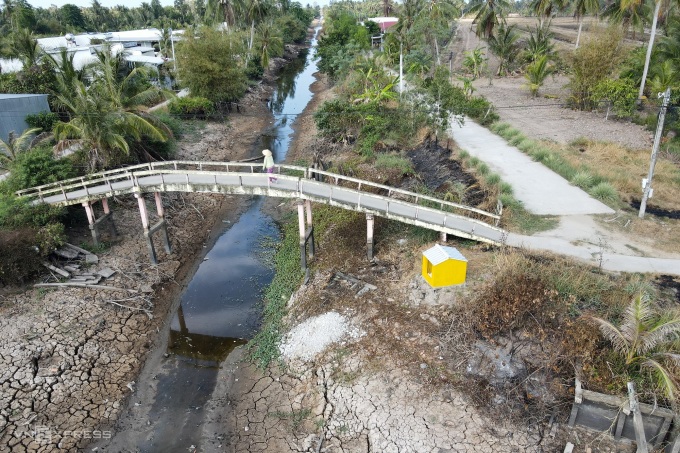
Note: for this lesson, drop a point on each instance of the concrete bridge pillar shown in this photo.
(162, 224)
(310, 228)
(303, 236)
(95, 222)
(442, 237)
(145, 224)
(306, 231)
(149, 230)
(369, 235)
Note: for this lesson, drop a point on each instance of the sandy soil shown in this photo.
(546, 117)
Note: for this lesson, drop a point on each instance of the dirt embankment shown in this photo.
(398, 387)
(69, 357)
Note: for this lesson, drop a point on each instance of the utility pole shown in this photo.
(401, 70)
(172, 43)
(647, 184)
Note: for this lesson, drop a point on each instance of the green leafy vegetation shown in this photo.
(263, 349)
(647, 340)
(193, 107)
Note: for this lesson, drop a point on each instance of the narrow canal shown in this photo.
(218, 311)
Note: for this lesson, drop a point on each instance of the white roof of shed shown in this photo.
(144, 59)
(440, 253)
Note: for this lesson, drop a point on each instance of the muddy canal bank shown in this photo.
(70, 359)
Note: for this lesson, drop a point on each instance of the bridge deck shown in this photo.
(239, 178)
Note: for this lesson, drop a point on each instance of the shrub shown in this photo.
(605, 192)
(493, 179)
(620, 93)
(42, 120)
(18, 213)
(582, 179)
(37, 167)
(392, 161)
(593, 62)
(192, 107)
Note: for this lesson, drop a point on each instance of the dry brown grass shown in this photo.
(625, 168)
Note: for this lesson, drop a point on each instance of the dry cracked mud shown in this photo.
(69, 357)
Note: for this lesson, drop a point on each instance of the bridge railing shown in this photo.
(198, 167)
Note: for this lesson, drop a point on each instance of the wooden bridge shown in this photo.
(305, 184)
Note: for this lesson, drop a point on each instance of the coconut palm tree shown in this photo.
(504, 45)
(537, 72)
(25, 47)
(110, 114)
(256, 10)
(269, 42)
(14, 145)
(645, 340)
(227, 9)
(545, 9)
(582, 8)
(488, 13)
(540, 43)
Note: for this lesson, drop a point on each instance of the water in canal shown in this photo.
(219, 309)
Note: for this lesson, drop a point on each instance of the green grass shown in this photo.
(606, 193)
(493, 179)
(263, 349)
(582, 179)
(585, 178)
(394, 162)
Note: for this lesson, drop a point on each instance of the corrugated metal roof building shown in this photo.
(15, 107)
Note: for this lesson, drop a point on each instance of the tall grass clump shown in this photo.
(605, 192)
(582, 179)
(394, 162)
(493, 179)
(263, 349)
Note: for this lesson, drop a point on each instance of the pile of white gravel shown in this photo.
(312, 336)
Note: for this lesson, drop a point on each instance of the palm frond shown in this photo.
(663, 377)
(612, 334)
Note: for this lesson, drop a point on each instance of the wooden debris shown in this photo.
(106, 272)
(56, 269)
(78, 249)
(67, 252)
(85, 285)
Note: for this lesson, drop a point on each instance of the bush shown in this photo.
(23, 250)
(391, 161)
(621, 93)
(37, 167)
(192, 107)
(605, 192)
(292, 29)
(592, 63)
(43, 120)
(19, 213)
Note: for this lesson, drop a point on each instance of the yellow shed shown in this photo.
(444, 266)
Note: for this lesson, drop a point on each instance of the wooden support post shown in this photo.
(145, 223)
(578, 399)
(640, 437)
(442, 237)
(109, 214)
(91, 221)
(161, 214)
(301, 223)
(369, 235)
(309, 235)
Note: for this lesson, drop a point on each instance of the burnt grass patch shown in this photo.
(437, 172)
(655, 211)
